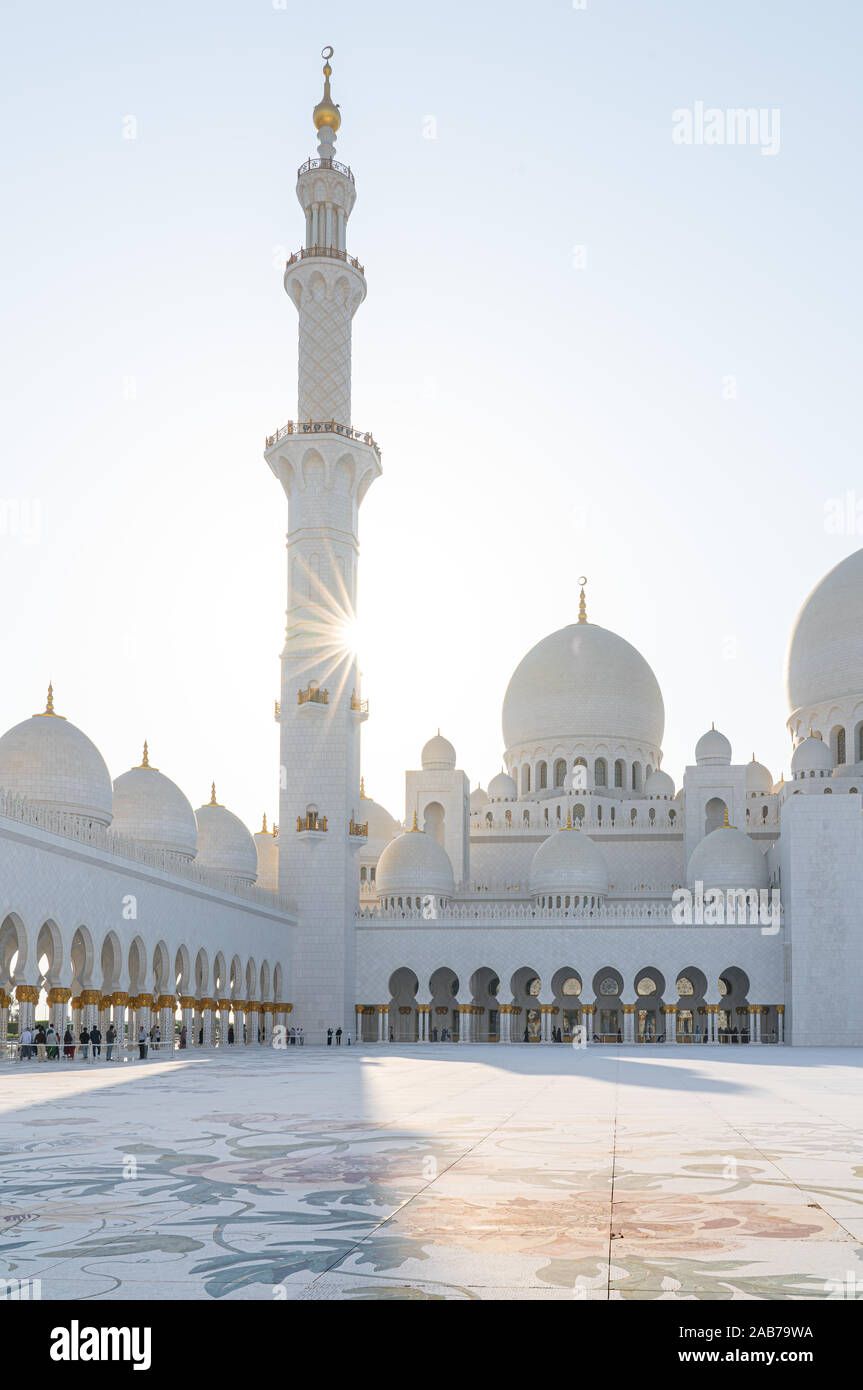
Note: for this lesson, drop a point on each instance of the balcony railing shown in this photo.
(313, 695)
(311, 821)
(332, 253)
(325, 164)
(362, 706)
(321, 427)
(361, 830)
(277, 709)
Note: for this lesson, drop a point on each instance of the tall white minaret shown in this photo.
(326, 467)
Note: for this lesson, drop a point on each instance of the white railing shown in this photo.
(608, 914)
(88, 832)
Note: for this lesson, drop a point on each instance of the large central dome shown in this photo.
(582, 682)
(825, 654)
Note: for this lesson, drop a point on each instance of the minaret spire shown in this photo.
(326, 115)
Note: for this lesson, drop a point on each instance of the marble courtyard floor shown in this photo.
(437, 1172)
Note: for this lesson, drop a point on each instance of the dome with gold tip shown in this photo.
(327, 113)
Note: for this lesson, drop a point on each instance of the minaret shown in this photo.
(326, 467)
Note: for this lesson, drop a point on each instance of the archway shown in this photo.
(649, 1018)
(566, 987)
(403, 987)
(443, 987)
(691, 989)
(715, 814)
(733, 1022)
(608, 1018)
(434, 822)
(484, 989)
(526, 985)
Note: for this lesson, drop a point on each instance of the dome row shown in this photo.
(53, 764)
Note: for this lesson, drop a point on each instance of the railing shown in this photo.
(362, 706)
(360, 830)
(311, 821)
(313, 695)
(277, 710)
(96, 836)
(321, 427)
(615, 914)
(333, 253)
(325, 164)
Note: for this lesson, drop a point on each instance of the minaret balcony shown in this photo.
(333, 253)
(359, 707)
(311, 827)
(313, 697)
(277, 711)
(358, 831)
(321, 427)
(333, 164)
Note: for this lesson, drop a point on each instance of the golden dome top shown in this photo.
(326, 112)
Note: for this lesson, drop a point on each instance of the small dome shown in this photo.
(502, 788)
(415, 863)
(811, 755)
(326, 113)
(568, 862)
(659, 784)
(267, 847)
(150, 808)
(712, 749)
(777, 786)
(438, 755)
(478, 799)
(759, 779)
(224, 843)
(53, 764)
(727, 859)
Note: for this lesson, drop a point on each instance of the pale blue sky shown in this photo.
(537, 420)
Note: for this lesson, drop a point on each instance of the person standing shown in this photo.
(230, 1034)
(96, 1040)
(339, 1036)
(69, 1044)
(142, 1043)
(183, 1038)
(329, 1037)
(84, 1040)
(40, 1044)
(110, 1039)
(53, 1042)
(25, 1044)
(302, 1037)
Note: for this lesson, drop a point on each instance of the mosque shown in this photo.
(545, 907)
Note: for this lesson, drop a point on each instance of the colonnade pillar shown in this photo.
(588, 1014)
(28, 998)
(224, 1020)
(166, 1005)
(208, 1009)
(628, 1011)
(75, 1009)
(5, 1001)
(119, 1000)
(383, 1022)
(269, 1009)
(253, 1021)
(545, 1023)
(187, 1017)
(464, 1023)
(57, 1000)
(780, 1023)
(90, 1000)
(424, 1020)
(670, 1011)
(504, 1015)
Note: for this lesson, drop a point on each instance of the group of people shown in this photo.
(43, 1042)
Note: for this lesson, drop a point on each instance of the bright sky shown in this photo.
(544, 411)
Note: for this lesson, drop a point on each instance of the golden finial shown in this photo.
(582, 606)
(145, 761)
(712, 726)
(213, 801)
(569, 818)
(326, 112)
(726, 824)
(414, 826)
(264, 830)
(363, 789)
(49, 705)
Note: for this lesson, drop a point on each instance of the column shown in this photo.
(119, 1000)
(752, 1022)
(503, 1023)
(167, 1006)
(780, 1023)
(253, 1021)
(187, 1016)
(5, 1001)
(57, 1000)
(269, 1009)
(208, 1009)
(385, 1015)
(28, 998)
(464, 1030)
(224, 1021)
(423, 1022)
(359, 1032)
(90, 1000)
(143, 1010)
(628, 1022)
(588, 1012)
(670, 1011)
(545, 1023)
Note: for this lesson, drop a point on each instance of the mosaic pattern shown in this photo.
(436, 1172)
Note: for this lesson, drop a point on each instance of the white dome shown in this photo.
(811, 755)
(224, 843)
(150, 808)
(659, 783)
(502, 788)
(568, 862)
(712, 748)
(438, 755)
(727, 859)
(415, 863)
(478, 799)
(582, 682)
(825, 652)
(267, 849)
(758, 778)
(53, 764)
(382, 826)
